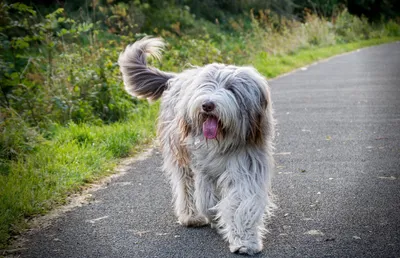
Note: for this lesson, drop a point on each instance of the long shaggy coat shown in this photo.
(215, 129)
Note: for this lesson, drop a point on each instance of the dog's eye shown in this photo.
(229, 88)
(240, 98)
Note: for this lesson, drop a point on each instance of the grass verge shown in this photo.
(79, 154)
(275, 65)
(76, 155)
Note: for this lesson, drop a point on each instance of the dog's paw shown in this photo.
(249, 249)
(214, 225)
(193, 221)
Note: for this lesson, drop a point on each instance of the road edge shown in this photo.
(73, 202)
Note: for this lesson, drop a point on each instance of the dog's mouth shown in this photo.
(210, 127)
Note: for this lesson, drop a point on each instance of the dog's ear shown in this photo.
(260, 108)
(258, 128)
(265, 98)
(262, 122)
(263, 91)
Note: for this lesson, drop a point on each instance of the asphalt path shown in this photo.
(337, 181)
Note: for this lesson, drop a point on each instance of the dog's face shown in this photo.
(226, 101)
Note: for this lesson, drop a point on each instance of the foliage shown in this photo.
(74, 156)
(48, 76)
(350, 28)
(374, 10)
(169, 17)
(16, 140)
(324, 8)
(392, 28)
(120, 17)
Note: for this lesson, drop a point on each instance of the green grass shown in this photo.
(75, 156)
(272, 66)
(79, 154)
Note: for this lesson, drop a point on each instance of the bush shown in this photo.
(17, 139)
(169, 17)
(49, 76)
(318, 31)
(121, 18)
(351, 28)
(392, 29)
(188, 51)
(54, 70)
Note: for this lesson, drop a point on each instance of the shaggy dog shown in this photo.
(215, 130)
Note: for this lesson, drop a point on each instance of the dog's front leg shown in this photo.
(182, 183)
(241, 213)
(205, 196)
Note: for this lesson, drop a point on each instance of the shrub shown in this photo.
(392, 29)
(60, 81)
(17, 139)
(351, 28)
(169, 17)
(122, 18)
(318, 31)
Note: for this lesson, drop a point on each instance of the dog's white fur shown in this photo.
(222, 181)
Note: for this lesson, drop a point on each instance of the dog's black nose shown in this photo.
(208, 106)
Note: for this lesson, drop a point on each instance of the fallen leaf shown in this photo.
(285, 173)
(123, 183)
(387, 177)
(140, 233)
(161, 234)
(314, 232)
(283, 153)
(98, 219)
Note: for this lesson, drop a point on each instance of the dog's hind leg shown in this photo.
(182, 183)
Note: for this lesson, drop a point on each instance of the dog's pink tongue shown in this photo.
(210, 127)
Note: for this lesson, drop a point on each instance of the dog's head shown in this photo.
(228, 102)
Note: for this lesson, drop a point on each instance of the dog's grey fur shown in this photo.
(221, 179)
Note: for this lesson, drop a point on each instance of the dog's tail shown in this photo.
(141, 80)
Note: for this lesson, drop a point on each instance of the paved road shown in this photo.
(337, 181)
